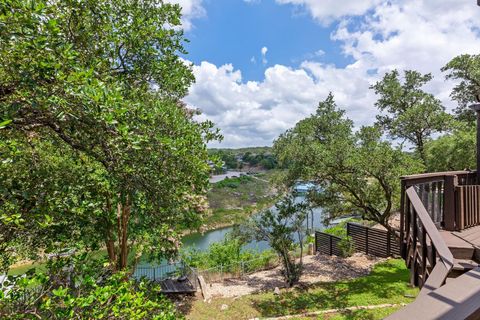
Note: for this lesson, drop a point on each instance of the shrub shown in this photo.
(229, 254)
(64, 293)
(233, 183)
(340, 229)
(346, 246)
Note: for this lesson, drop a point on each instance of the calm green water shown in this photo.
(201, 241)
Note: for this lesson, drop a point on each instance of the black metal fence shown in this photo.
(327, 244)
(377, 242)
(158, 273)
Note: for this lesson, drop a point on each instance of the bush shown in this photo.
(228, 254)
(346, 246)
(232, 183)
(65, 293)
(340, 229)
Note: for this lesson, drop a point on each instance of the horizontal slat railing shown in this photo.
(425, 246)
(468, 206)
(377, 242)
(327, 244)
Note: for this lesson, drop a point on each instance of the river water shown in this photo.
(202, 241)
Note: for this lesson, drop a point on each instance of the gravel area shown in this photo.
(317, 268)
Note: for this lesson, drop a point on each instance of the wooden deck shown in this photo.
(176, 286)
(440, 242)
(444, 303)
(470, 235)
(463, 244)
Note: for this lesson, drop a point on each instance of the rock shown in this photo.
(276, 291)
(224, 307)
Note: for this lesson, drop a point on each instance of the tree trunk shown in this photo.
(421, 150)
(123, 216)
(109, 239)
(112, 257)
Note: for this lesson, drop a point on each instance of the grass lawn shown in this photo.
(41, 265)
(388, 283)
(375, 314)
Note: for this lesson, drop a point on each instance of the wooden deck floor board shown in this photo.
(470, 235)
(458, 299)
(174, 286)
(453, 240)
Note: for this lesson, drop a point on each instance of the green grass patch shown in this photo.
(340, 229)
(387, 283)
(372, 314)
(23, 268)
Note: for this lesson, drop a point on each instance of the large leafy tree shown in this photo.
(358, 171)
(465, 68)
(453, 151)
(95, 140)
(412, 114)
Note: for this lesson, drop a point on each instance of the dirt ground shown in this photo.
(317, 268)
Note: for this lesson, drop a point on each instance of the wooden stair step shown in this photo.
(464, 264)
(458, 299)
(460, 248)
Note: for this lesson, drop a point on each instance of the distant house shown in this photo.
(303, 187)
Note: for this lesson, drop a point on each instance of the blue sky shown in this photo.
(236, 31)
(311, 48)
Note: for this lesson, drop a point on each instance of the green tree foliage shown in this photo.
(265, 160)
(358, 172)
(97, 148)
(233, 182)
(465, 68)
(227, 157)
(453, 151)
(256, 156)
(411, 113)
(285, 231)
(76, 289)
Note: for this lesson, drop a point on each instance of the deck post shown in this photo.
(449, 202)
(476, 108)
(403, 244)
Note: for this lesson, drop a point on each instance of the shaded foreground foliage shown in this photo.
(77, 288)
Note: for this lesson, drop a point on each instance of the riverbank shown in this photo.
(234, 200)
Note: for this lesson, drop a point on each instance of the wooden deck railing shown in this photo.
(468, 206)
(450, 198)
(427, 255)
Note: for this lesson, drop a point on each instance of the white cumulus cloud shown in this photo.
(326, 11)
(412, 34)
